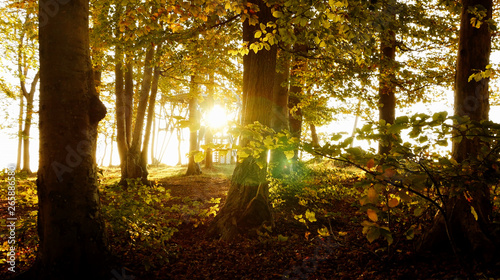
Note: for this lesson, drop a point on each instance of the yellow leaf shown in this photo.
(311, 216)
(372, 215)
(474, 213)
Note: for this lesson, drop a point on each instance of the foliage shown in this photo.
(413, 176)
(26, 214)
(145, 217)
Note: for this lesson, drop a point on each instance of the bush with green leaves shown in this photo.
(146, 217)
(414, 176)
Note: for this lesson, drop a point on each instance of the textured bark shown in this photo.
(70, 227)
(247, 207)
(471, 99)
(387, 89)
(193, 167)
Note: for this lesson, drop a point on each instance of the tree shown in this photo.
(72, 243)
(194, 126)
(247, 205)
(472, 101)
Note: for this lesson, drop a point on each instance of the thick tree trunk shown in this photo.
(70, 226)
(278, 163)
(471, 99)
(247, 205)
(193, 167)
(387, 89)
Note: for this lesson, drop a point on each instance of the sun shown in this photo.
(217, 117)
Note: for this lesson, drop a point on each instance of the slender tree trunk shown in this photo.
(121, 130)
(296, 93)
(128, 101)
(27, 123)
(179, 142)
(314, 134)
(278, 162)
(151, 115)
(209, 137)
(20, 133)
(471, 99)
(387, 89)
(194, 126)
(70, 227)
(247, 207)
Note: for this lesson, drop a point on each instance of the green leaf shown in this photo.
(282, 238)
(372, 234)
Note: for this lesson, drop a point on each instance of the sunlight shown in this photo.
(217, 117)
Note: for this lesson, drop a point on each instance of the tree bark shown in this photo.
(471, 99)
(193, 167)
(209, 137)
(387, 89)
(20, 133)
(72, 243)
(121, 123)
(247, 207)
(151, 115)
(278, 162)
(134, 167)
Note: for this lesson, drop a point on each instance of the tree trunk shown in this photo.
(151, 115)
(278, 162)
(314, 134)
(70, 227)
(296, 93)
(27, 122)
(179, 142)
(247, 207)
(209, 137)
(194, 126)
(20, 133)
(471, 99)
(135, 168)
(387, 89)
(121, 123)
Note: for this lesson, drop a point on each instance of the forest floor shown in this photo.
(291, 250)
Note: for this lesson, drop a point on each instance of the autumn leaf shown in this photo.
(372, 215)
